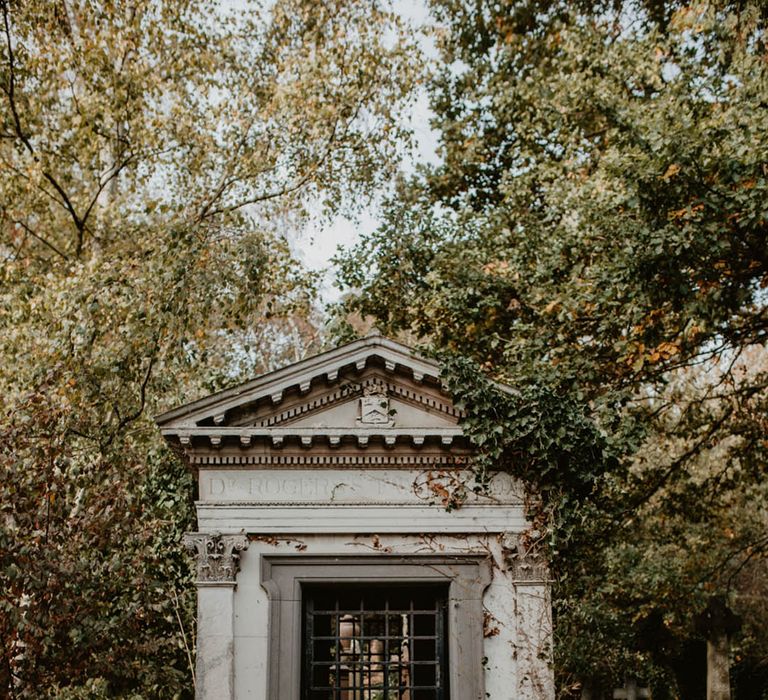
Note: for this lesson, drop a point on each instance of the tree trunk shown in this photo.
(718, 668)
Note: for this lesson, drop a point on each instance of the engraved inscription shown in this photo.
(269, 487)
(294, 488)
(348, 486)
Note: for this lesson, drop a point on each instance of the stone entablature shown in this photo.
(387, 485)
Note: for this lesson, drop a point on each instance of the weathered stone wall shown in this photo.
(517, 623)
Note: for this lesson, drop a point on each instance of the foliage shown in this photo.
(152, 154)
(88, 581)
(595, 236)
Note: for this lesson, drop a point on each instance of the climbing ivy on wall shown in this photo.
(594, 236)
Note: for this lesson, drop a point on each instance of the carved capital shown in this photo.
(217, 555)
(524, 557)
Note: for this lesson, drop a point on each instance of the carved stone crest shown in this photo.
(217, 555)
(374, 406)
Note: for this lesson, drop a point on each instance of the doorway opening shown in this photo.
(374, 642)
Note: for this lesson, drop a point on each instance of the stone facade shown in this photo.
(353, 461)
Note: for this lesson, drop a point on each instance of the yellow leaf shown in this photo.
(666, 350)
(671, 171)
(677, 213)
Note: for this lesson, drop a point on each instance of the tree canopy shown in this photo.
(595, 236)
(152, 156)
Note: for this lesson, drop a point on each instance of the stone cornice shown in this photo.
(301, 374)
(215, 436)
(302, 377)
(257, 519)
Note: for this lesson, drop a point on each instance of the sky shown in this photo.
(319, 241)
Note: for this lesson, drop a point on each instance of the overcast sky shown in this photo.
(318, 243)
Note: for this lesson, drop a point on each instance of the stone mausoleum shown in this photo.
(341, 551)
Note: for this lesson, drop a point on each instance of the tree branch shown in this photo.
(112, 173)
(137, 413)
(45, 242)
(662, 478)
(208, 212)
(10, 91)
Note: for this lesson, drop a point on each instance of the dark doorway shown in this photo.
(373, 642)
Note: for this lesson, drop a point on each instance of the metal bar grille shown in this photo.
(370, 642)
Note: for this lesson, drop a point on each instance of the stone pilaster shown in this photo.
(718, 622)
(218, 561)
(528, 573)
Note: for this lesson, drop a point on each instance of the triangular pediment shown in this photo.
(373, 387)
(348, 415)
(329, 371)
(369, 399)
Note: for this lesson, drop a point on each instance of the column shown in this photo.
(218, 559)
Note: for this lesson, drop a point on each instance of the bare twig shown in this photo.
(44, 241)
(187, 648)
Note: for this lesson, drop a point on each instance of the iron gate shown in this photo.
(374, 642)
